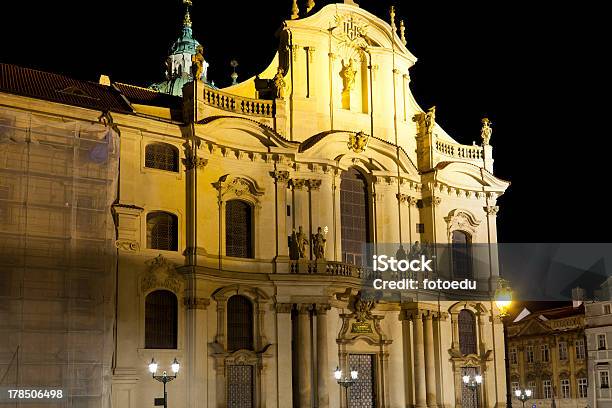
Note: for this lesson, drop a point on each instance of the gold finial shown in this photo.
(392, 15)
(403, 32)
(187, 19)
(295, 10)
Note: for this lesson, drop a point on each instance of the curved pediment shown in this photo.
(241, 133)
(377, 155)
(470, 177)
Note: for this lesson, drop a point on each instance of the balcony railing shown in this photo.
(238, 104)
(331, 268)
(458, 150)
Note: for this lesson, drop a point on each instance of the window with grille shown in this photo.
(547, 389)
(162, 156)
(515, 386)
(162, 231)
(462, 255)
(532, 386)
(545, 353)
(563, 350)
(161, 320)
(582, 387)
(354, 208)
(513, 356)
(238, 229)
(240, 386)
(580, 352)
(239, 323)
(362, 394)
(529, 354)
(604, 379)
(565, 388)
(467, 332)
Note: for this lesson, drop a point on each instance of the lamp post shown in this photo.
(346, 382)
(164, 378)
(503, 300)
(472, 383)
(523, 395)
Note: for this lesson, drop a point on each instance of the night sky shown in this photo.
(533, 69)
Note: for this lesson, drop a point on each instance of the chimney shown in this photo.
(104, 80)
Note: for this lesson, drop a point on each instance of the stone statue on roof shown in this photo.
(198, 62)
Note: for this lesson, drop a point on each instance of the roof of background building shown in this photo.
(146, 96)
(61, 89)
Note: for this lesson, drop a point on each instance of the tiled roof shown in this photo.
(145, 96)
(61, 89)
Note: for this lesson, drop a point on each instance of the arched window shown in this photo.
(238, 229)
(462, 255)
(467, 332)
(354, 207)
(161, 320)
(162, 231)
(239, 323)
(162, 156)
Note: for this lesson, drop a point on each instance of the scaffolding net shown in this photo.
(58, 179)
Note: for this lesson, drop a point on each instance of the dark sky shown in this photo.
(532, 68)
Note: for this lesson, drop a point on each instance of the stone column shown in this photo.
(283, 340)
(419, 362)
(304, 356)
(196, 350)
(281, 178)
(430, 364)
(323, 371)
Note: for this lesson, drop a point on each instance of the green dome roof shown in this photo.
(185, 44)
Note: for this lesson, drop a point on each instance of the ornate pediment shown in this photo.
(534, 327)
(361, 323)
(461, 220)
(241, 187)
(161, 273)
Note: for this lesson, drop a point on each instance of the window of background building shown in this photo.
(239, 323)
(565, 388)
(513, 356)
(515, 386)
(606, 309)
(601, 341)
(162, 156)
(529, 354)
(467, 332)
(162, 231)
(562, 350)
(462, 255)
(545, 353)
(580, 352)
(604, 379)
(582, 387)
(547, 388)
(161, 320)
(354, 219)
(532, 386)
(238, 229)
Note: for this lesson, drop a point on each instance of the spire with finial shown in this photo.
(403, 32)
(187, 19)
(295, 10)
(234, 75)
(392, 16)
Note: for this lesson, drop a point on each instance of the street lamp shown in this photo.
(523, 395)
(503, 300)
(164, 378)
(472, 383)
(346, 382)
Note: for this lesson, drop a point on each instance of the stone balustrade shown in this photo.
(332, 268)
(458, 150)
(238, 104)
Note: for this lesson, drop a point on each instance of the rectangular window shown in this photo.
(562, 350)
(580, 353)
(532, 386)
(513, 356)
(565, 388)
(601, 341)
(515, 386)
(582, 388)
(604, 379)
(529, 354)
(606, 309)
(545, 353)
(547, 388)
(420, 228)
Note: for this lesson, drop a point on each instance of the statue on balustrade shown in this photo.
(299, 241)
(430, 120)
(279, 84)
(198, 62)
(318, 244)
(486, 131)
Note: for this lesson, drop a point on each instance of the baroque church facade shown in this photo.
(240, 218)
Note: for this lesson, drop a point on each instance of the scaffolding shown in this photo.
(58, 179)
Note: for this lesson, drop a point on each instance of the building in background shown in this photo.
(598, 335)
(547, 354)
(241, 217)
